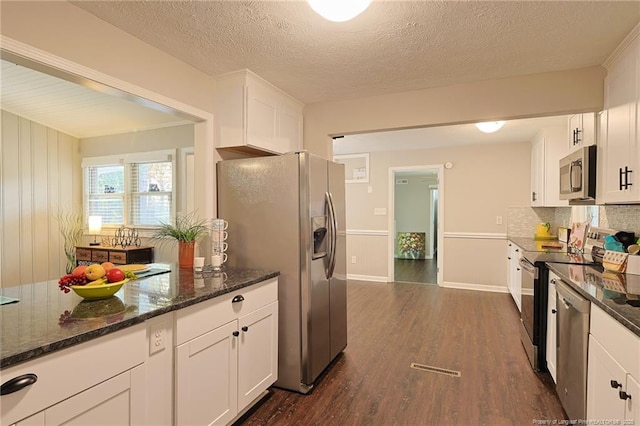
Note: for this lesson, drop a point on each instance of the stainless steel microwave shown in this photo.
(578, 176)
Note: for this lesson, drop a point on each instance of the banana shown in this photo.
(99, 281)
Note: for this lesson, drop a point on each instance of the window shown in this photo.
(132, 190)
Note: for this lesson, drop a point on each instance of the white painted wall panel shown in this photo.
(10, 195)
(370, 250)
(475, 263)
(40, 171)
(26, 201)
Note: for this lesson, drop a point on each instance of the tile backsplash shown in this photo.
(620, 218)
(522, 221)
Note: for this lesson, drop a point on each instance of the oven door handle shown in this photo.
(527, 266)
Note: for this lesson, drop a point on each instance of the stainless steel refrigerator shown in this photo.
(287, 213)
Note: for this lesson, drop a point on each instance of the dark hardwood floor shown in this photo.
(416, 270)
(391, 326)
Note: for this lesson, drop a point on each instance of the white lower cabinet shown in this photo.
(227, 355)
(223, 358)
(514, 277)
(109, 403)
(99, 382)
(205, 395)
(552, 331)
(613, 391)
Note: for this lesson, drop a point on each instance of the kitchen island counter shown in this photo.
(46, 320)
(616, 294)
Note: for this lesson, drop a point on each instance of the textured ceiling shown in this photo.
(393, 46)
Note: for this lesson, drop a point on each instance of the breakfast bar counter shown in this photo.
(45, 319)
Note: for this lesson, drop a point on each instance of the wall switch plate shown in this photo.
(369, 189)
(353, 259)
(379, 211)
(498, 220)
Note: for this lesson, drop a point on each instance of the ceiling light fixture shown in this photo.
(490, 126)
(339, 10)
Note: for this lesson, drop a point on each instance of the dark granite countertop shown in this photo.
(616, 294)
(529, 244)
(46, 319)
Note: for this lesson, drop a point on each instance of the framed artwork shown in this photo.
(410, 245)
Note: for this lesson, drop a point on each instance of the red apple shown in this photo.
(114, 275)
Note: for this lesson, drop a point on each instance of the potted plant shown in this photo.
(187, 229)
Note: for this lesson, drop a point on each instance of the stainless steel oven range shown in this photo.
(533, 316)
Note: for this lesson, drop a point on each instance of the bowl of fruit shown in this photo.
(95, 281)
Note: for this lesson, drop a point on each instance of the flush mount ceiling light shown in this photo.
(339, 10)
(490, 126)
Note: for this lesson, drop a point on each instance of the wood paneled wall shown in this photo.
(39, 175)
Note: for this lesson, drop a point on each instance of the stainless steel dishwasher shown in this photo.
(572, 340)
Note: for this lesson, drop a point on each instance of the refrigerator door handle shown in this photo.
(333, 235)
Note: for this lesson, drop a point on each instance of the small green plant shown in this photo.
(187, 228)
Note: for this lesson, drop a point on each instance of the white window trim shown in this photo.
(131, 158)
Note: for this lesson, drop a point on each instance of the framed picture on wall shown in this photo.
(356, 167)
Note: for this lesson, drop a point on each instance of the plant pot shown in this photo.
(185, 254)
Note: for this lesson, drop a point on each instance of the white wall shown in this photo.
(40, 176)
(483, 182)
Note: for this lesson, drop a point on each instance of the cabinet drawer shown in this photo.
(83, 254)
(118, 257)
(199, 319)
(621, 343)
(99, 256)
(67, 372)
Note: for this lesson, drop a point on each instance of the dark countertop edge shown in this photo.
(635, 329)
(21, 357)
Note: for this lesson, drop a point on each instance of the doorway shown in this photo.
(414, 206)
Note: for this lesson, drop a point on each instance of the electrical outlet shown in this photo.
(498, 220)
(353, 259)
(379, 211)
(370, 189)
(156, 339)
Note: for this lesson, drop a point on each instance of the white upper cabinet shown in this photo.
(252, 115)
(547, 148)
(619, 155)
(582, 131)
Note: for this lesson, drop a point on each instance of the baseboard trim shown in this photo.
(476, 287)
(374, 278)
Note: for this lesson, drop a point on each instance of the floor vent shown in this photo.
(422, 367)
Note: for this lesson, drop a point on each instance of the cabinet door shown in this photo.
(537, 173)
(258, 353)
(515, 278)
(289, 130)
(261, 118)
(206, 378)
(574, 127)
(108, 403)
(620, 147)
(588, 135)
(551, 326)
(632, 406)
(603, 400)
